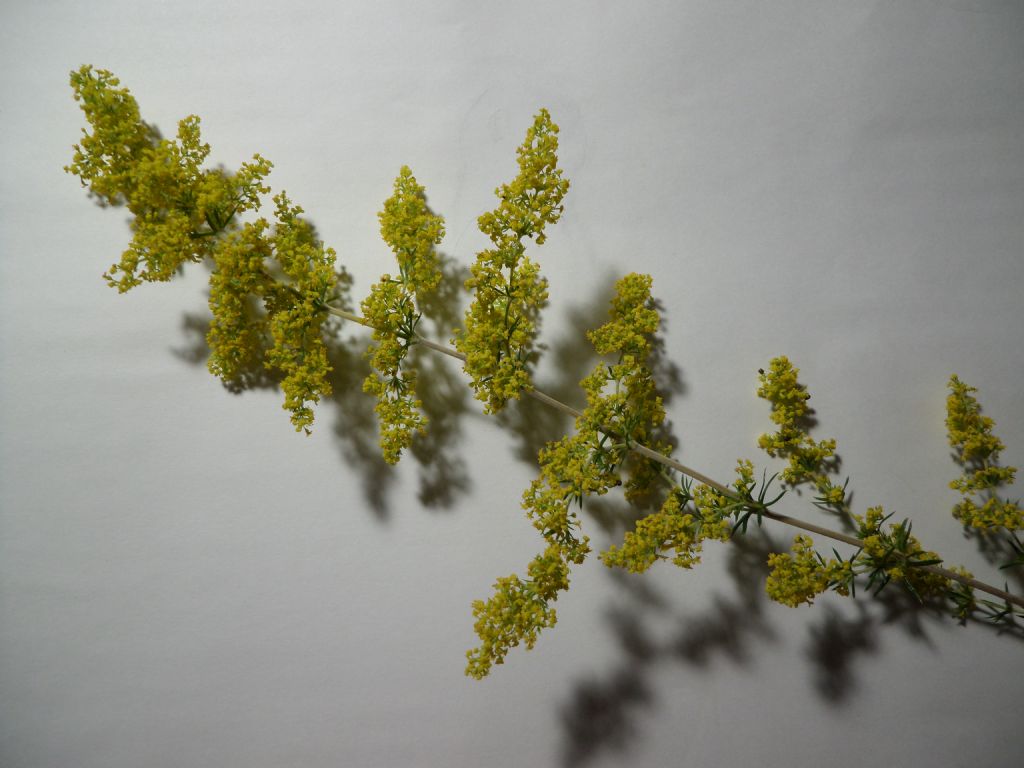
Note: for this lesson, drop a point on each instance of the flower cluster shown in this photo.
(623, 398)
(681, 525)
(185, 213)
(177, 205)
(894, 554)
(106, 159)
(890, 554)
(297, 311)
(798, 576)
(686, 519)
(393, 311)
(690, 516)
(809, 461)
(970, 434)
(508, 290)
(585, 464)
(239, 332)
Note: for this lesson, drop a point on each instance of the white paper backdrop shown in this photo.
(186, 582)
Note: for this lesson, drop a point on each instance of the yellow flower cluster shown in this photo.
(297, 312)
(809, 461)
(177, 206)
(572, 469)
(520, 608)
(632, 409)
(677, 527)
(683, 527)
(517, 612)
(106, 159)
(798, 576)
(886, 554)
(978, 450)
(508, 290)
(239, 332)
(392, 309)
(894, 554)
(184, 213)
(622, 398)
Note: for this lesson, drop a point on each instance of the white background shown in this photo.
(184, 581)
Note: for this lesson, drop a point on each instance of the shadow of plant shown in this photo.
(443, 474)
(355, 425)
(1003, 551)
(604, 713)
(835, 642)
(730, 627)
(534, 424)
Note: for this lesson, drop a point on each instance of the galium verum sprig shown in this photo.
(884, 555)
(273, 286)
(269, 284)
(508, 289)
(687, 518)
(970, 434)
(809, 460)
(393, 311)
(622, 406)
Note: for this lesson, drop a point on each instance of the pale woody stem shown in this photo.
(701, 478)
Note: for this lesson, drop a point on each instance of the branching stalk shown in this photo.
(762, 509)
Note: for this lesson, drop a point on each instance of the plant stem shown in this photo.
(761, 509)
